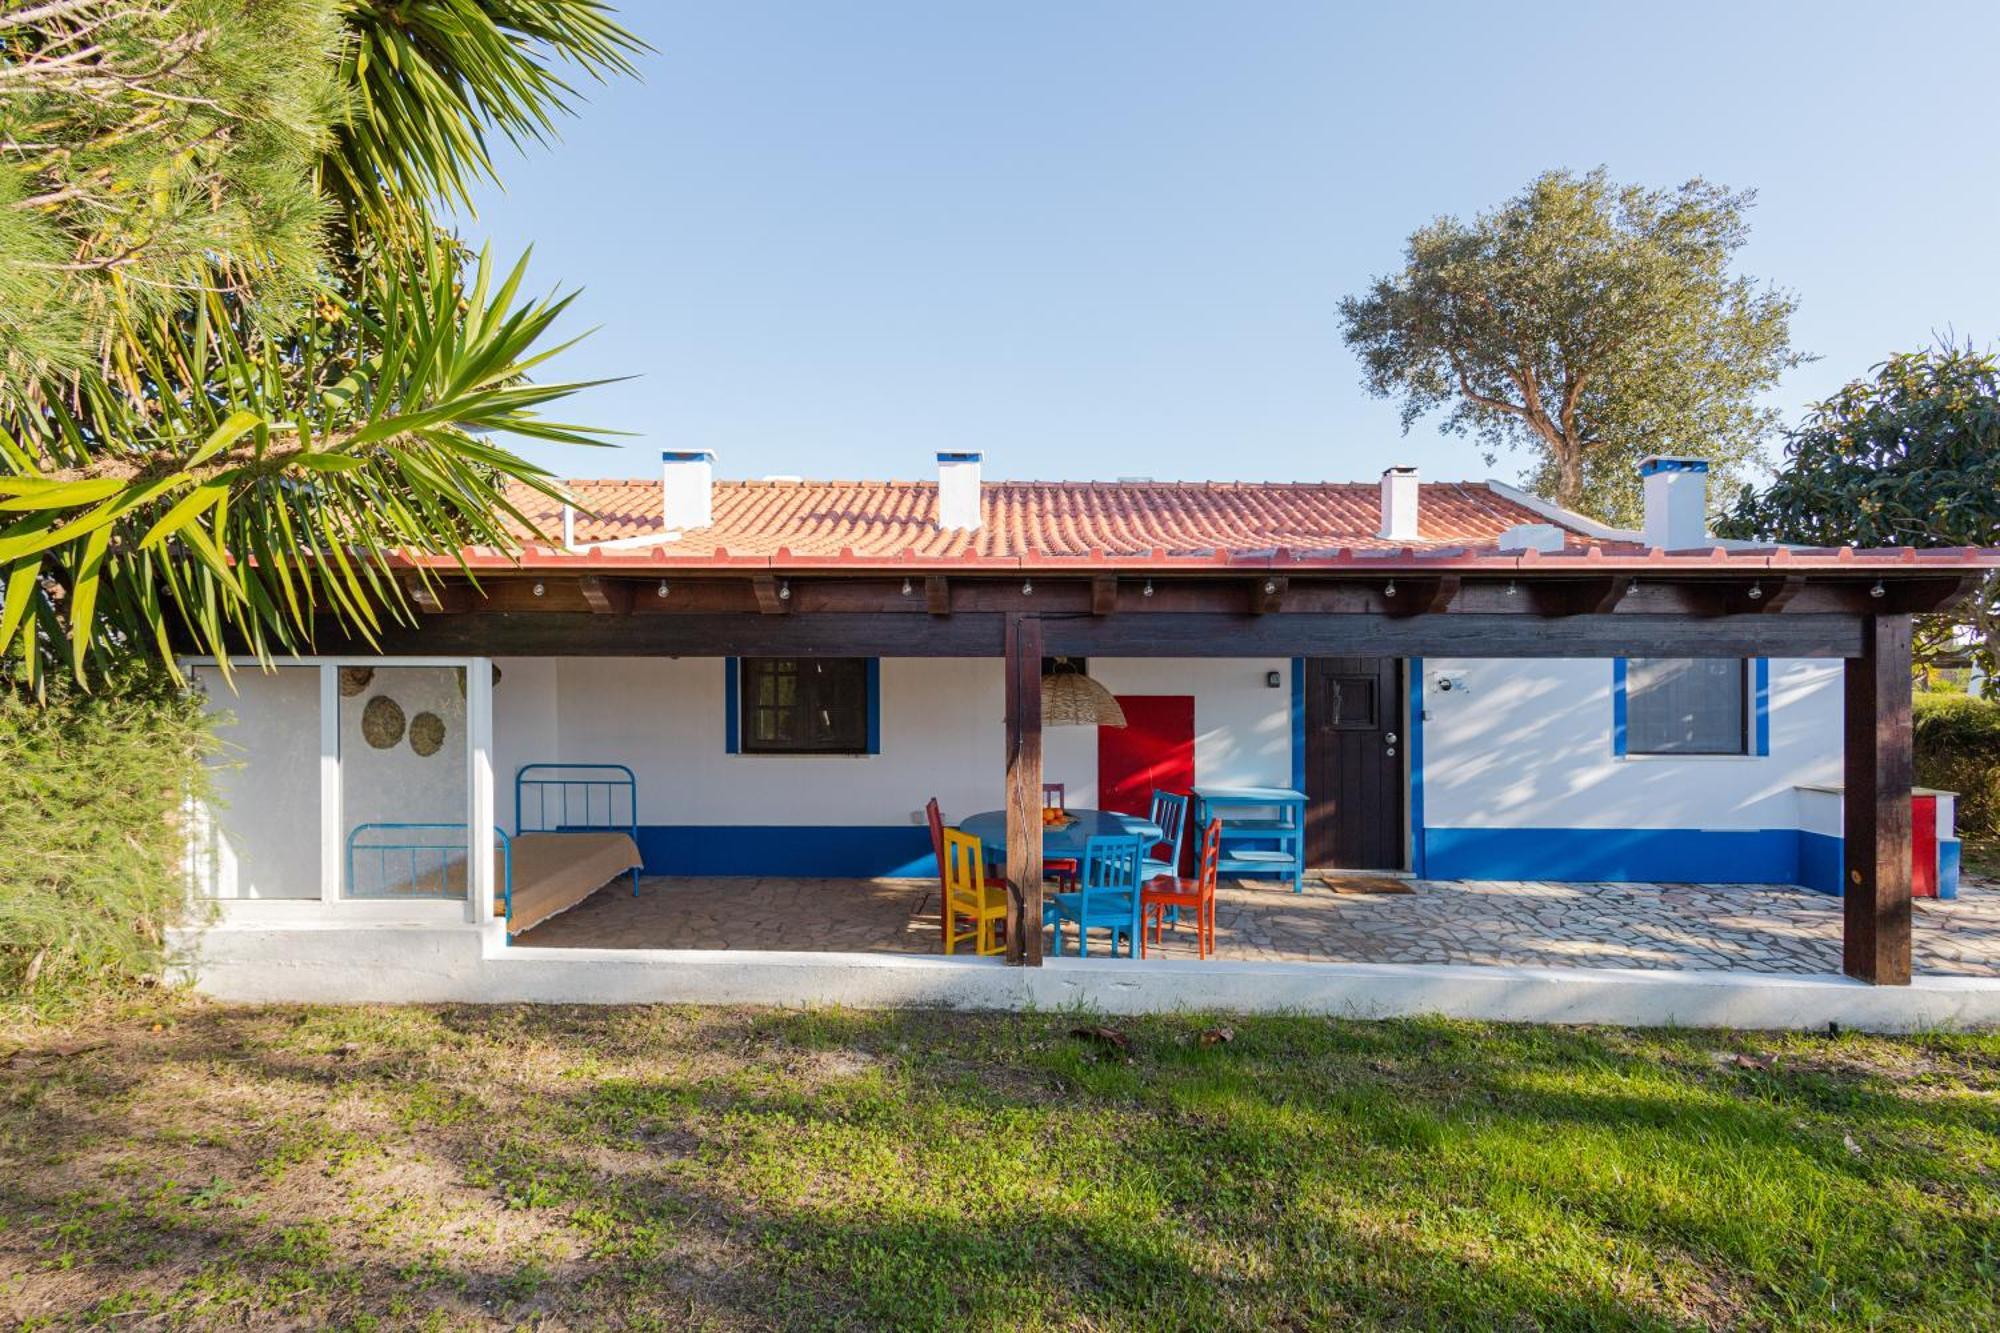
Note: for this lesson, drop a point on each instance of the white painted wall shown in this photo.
(1527, 744)
(1242, 727)
(943, 733)
(262, 836)
(398, 785)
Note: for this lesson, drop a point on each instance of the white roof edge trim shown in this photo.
(1590, 527)
(631, 543)
(1567, 518)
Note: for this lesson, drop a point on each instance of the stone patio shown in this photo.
(1753, 927)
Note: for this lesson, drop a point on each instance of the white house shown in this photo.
(766, 678)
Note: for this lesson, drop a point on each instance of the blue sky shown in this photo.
(1105, 239)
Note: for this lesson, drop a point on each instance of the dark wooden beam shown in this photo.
(438, 598)
(1455, 635)
(606, 597)
(937, 595)
(1880, 768)
(578, 633)
(1103, 594)
(1923, 596)
(773, 594)
(1579, 597)
(1267, 595)
(1419, 597)
(1024, 790)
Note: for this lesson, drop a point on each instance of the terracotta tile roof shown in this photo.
(881, 520)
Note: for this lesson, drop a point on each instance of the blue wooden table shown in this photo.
(1263, 830)
(1060, 844)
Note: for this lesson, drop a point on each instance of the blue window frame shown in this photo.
(805, 705)
(1689, 706)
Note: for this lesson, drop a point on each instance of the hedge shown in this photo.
(92, 792)
(1958, 749)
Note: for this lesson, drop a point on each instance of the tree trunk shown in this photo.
(1569, 475)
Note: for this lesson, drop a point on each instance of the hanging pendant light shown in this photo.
(1072, 699)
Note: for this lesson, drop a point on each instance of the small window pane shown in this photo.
(805, 705)
(1691, 705)
(1354, 702)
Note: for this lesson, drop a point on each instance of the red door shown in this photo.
(1155, 748)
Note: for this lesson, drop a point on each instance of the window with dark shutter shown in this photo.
(805, 705)
(1687, 705)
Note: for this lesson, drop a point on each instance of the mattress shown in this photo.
(553, 872)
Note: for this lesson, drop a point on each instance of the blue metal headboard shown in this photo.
(554, 798)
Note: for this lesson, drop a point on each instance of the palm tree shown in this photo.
(231, 464)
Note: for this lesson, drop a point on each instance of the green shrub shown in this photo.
(92, 792)
(1958, 749)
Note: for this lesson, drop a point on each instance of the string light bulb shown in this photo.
(539, 589)
(907, 589)
(785, 591)
(1390, 591)
(1027, 587)
(1878, 590)
(1756, 592)
(661, 591)
(1147, 591)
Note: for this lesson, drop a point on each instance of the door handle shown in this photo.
(1390, 737)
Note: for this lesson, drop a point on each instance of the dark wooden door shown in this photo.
(1354, 763)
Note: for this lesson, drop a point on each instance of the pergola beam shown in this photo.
(579, 633)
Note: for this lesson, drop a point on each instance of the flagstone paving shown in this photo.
(1748, 927)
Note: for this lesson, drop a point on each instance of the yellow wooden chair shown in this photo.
(967, 894)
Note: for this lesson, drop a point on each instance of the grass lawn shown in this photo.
(677, 1168)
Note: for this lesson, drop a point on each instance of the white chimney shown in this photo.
(958, 490)
(1676, 492)
(1532, 537)
(1399, 504)
(687, 487)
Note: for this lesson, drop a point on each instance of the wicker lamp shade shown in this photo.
(1072, 699)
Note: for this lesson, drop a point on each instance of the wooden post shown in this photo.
(1024, 790)
(1875, 899)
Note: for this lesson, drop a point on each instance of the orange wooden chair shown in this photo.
(969, 895)
(1195, 895)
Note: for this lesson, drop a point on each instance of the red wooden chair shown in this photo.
(1063, 870)
(1195, 895)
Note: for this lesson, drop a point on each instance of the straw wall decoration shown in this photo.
(382, 722)
(426, 734)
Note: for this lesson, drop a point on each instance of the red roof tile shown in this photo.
(881, 520)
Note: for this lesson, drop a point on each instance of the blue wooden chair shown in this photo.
(1106, 897)
(1170, 813)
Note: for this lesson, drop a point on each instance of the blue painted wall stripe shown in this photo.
(1298, 724)
(732, 712)
(1419, 862)
(1618, 706)
(842, 852)
(1691, 856)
